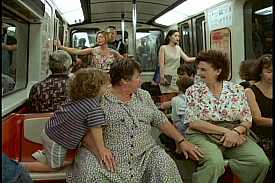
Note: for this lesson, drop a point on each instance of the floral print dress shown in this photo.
(128, 136)
(104, 61)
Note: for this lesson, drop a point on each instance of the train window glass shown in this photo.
(186, 38)
(258, 28)
(199, 22)
(84, 39)
(14, 53)
(147, 45)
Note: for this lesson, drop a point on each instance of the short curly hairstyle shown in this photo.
(87, 83)
(263, 62)
(123, 69)
(217, 59)
(59, 61)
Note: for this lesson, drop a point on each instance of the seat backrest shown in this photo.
(33, 124)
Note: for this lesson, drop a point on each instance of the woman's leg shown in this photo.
(211, 167)
(248, 161)
(161, 168)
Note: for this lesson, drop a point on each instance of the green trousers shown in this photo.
(247, 161)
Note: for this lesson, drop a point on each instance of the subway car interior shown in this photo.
(31, 30)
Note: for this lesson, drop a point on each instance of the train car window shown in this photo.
(84, 38)
(15, 33)
(147, 45)
(258, 28)
(186, 34)
(199, 33)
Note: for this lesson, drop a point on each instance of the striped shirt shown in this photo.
(70, 122)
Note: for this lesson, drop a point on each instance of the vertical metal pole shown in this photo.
(122, 27)
(134, 27)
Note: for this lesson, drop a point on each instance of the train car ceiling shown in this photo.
(185, 10)
(72, 11)
(31, 10)
(111, 10)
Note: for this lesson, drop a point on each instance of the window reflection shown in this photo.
(147, 45)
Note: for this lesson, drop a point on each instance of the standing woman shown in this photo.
(102, 56)
(169, 61)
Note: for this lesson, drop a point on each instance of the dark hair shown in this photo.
(263, 62)
(79, 66)
(217, 59)
(111, 27)
(188, 68)
(123, 69)
(184, 82)
(247, 69)
(169, 34)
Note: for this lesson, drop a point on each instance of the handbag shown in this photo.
(229, 125)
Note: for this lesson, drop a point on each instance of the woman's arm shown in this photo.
(186, 58)
(161, 65)
(75, 51)
(186, 147)
(255, 110)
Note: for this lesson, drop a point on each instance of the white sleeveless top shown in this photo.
(171, 64)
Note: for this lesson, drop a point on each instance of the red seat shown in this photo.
(12, 130)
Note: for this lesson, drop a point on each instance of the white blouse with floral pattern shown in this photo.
(230, 106)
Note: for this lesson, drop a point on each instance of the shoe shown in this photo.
(40, 156)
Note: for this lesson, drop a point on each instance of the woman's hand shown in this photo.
(163, 80)
(232, 139)
(190, 150)
(57, 43)
(107, 158)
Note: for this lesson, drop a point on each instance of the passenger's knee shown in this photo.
(263, 162)
(215, 164)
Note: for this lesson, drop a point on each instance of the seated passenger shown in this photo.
(49, 94)
(219, 118)
(8, 84)
(186, 69)
(13, 171)
(246, 73)
(179, 103)
(69, 124)
(131, 114)
(260, 98)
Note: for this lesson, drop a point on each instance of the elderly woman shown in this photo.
(102, 56)
(219, 118)
(130, 114)
(49, 94)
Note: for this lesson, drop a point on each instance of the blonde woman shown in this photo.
(102, 56)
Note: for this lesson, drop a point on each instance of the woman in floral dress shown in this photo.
(102, 56)
(219, 118)
(131, 114)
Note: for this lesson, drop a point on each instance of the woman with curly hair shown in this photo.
(80, 114)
